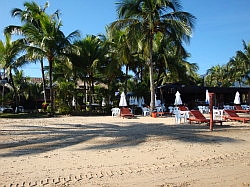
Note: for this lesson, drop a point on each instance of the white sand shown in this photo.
(106, 151)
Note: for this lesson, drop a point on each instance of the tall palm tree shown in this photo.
(170, 63)
(110, 71)
(123, 50)
(20, 84)
(89, 60)
(44, 36)
(218, 76)
(144, 19)
(12, 58)
(237, 69)
(239, 66)
(54, 44)
(245, 54)
(31, 15)
(49, 41)
(242, 59)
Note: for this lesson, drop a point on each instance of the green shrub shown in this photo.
(64, 109)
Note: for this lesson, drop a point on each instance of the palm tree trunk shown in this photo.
(14, 88)
(126, 80)
(44, 81)
(152, 88)
(151, 75)
(51, 88)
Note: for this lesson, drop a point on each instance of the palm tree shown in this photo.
(238, 67)
(44, 36)
(218, 76)
(12, 58)
(110, 70)
(54, 44)
(245, 54)
(237, 70)
(21, 84)
(89, 60)
(31, 15)
(241, 63)
(144, 19)
(171, 65)
(49, 41)
(123, 50)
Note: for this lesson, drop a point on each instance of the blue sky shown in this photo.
(220, 27)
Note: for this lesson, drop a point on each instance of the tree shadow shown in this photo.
(36, 139)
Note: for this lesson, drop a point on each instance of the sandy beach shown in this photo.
(115, 152)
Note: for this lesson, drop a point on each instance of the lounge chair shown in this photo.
(197, 116)
(183, 108)
(239, 109)
(125, 112)
(232, 115)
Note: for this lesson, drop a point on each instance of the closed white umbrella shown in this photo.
(103, 102)
(135, 101)
(178, 100)
(139, 102)
(123, 101)
(156, 102)
(237, 98)
(131, 100)
(207, 97)
(73, 102)
(142, 101)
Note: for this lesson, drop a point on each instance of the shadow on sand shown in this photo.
(32, 139)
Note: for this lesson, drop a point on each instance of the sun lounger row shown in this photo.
(232, 115)
(197, 116)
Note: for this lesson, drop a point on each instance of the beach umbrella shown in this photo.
(135, 101)
(178, 100)
(111, 103)
(103, 102)
(141, 101)
(207, 97)
(73, 102)
(237, 98)
(131, 101)
(123, 101)
(156, 101)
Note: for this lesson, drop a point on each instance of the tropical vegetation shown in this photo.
(140, 51)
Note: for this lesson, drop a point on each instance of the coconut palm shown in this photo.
(242, 63)
(31, 15)
(171, 64)
(110, 70)
(239, 66)
(12, 58)
(245, 55)
(144, 19)
(237, 69)
(89, 60)
(53, 44)
(218, 76)
(44, 36)
(124, 51)
(49, 41)
(21, 85)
